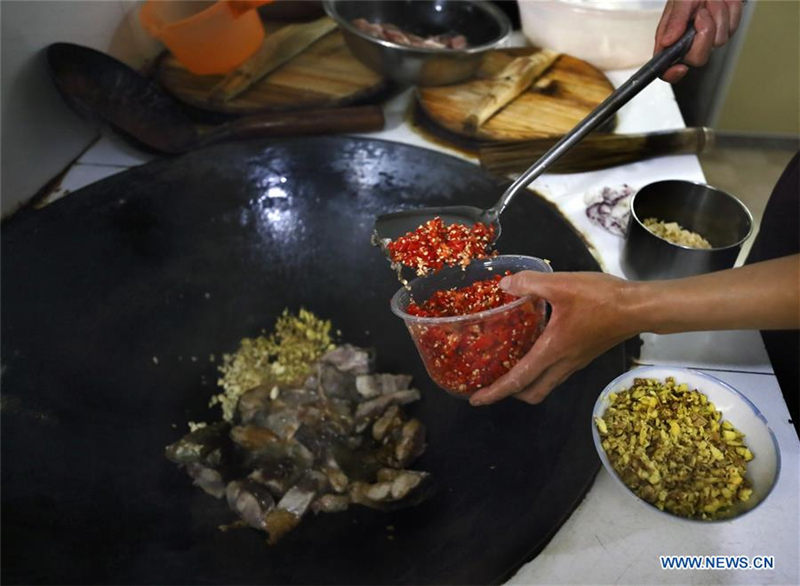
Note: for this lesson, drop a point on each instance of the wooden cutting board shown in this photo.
(324, 75)
(558, 100)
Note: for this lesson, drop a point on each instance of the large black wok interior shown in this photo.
(113, 299)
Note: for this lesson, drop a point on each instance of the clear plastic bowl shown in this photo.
(467, 352)
(609, 34)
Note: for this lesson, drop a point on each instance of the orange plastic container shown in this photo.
(206, 37)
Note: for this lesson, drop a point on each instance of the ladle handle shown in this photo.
(621, 96)
(306, 122)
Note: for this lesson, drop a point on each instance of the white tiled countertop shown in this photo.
(610, 538)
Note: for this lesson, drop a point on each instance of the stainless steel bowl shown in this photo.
(718, 216)
(484, 25)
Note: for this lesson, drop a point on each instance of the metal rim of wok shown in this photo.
(115, 297)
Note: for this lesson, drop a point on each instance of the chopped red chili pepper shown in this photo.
(433, 245)
(479, 296)
(464, 356)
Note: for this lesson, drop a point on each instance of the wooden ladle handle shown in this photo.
(301, 122)
(596, 151)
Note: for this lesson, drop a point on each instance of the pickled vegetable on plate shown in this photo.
(669, 444)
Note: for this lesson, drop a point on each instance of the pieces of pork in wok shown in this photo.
(341, 438)
(206, 455)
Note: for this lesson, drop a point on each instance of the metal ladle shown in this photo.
(395, 224)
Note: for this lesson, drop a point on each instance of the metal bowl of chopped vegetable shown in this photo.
(682, 228)
(685, 443)
(422, 42)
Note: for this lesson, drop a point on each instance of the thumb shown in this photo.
(525, 283)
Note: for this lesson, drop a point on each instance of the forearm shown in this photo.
(763, 295)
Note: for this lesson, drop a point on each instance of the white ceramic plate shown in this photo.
(762, 470)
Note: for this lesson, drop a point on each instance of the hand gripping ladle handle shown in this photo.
(621, 96)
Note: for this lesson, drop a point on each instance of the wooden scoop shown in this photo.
(278, 48)
(515, 78)
(99, 87)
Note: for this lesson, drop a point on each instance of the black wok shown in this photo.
(114, 298)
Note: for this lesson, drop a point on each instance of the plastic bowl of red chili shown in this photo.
(468, 331)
